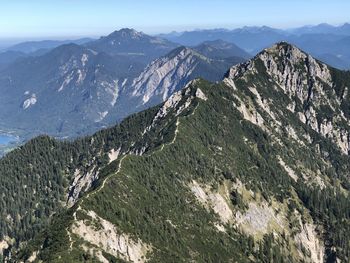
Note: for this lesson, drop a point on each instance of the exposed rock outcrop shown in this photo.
(81, 183)
(163, 76)
(111, 240)
(212, 200)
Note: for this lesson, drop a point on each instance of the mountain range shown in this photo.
(33, 48)
(72, 90)
(326, 42)
(323, 28)
(252, 168)
(67, 89)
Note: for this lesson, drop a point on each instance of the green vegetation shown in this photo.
(279, 165)
(32, 185)
(34, 178)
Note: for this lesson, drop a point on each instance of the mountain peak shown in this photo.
(284, 52)
(282, 49)
(283, 61)
(132, 43)
(281, 46)
(316, 92)
(126, 33)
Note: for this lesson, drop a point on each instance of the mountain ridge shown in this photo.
(220, 171)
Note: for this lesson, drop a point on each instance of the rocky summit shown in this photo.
(318, 94)
(254, 168)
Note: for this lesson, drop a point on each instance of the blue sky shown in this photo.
(73, 18)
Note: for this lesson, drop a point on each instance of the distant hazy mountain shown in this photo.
(249, 38)
(332, 49)
(129, 42)
(325, 42)
(217, 49)
(33, 46)
(335, 60)
(323, 29)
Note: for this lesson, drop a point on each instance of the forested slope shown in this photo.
(252, 169)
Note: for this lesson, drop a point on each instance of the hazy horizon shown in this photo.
(39, 19)
(6, 42)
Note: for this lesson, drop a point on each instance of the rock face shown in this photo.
(81, 183)
(170, 73)
(110, 239)
(165, 75)
(308, 238)
(212, 200)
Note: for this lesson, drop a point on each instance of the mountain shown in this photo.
(251, 169)
(129, 42)
(64, 91)
(73, 90)
(116, 82)
(259, 35)
(219, 49)
(33, 46)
